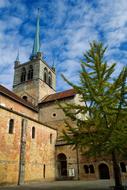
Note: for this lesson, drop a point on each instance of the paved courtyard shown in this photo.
(65, 185)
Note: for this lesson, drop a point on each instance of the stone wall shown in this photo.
(75, 160)
(39, 151)
(20, 108)
(50, 114)
(71, 158)
(35, 89)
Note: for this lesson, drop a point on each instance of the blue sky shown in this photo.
(67, 27)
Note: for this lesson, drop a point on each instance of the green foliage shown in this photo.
(102, 125)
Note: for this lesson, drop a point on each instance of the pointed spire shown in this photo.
(36, 45)
(17, 62)
(53, 66)
(17, 58)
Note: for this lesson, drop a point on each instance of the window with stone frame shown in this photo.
(91, 169)
(11, 126)
(54, 114)
(25, 98)
(33, 132)
(23, 74)
(30, 73)
(123, 167)
(50, 138)
(45, 75)
(50, 79)
(44, 171)
(86, 169)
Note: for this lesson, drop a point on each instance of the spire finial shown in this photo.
(36, 45)
(17, 62)
(53, 65)
(17, 58)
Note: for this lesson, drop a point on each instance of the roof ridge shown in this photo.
(59, 95)
(15, 97)
(61, 92)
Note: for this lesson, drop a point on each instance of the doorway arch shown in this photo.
(104, 171)
(62, 165)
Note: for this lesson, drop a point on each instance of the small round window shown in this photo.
(25, 98)
(54, 115)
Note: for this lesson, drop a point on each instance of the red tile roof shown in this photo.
(59, 95)
(16, 98)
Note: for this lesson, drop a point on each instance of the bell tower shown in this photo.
(34, 79)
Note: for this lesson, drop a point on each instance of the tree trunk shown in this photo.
(117, 173)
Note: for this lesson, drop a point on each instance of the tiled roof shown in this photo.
(16, 98)
(59, 95)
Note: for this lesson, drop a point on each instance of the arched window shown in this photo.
(86, 169)
(23, 74)
(44, 171)
(24, 98)
(50, 138)
(123, 167)
(104, 171)
(30, 73)
(91, 168)
(62, 165)
(50, 79)
(45, 74)
(33, 132)
(11, 126)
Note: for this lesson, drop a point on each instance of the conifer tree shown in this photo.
(101, 117)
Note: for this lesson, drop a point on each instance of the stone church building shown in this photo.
(31, 125)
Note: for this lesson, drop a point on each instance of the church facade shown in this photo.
(31, 125)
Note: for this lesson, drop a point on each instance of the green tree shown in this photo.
(101, 116)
